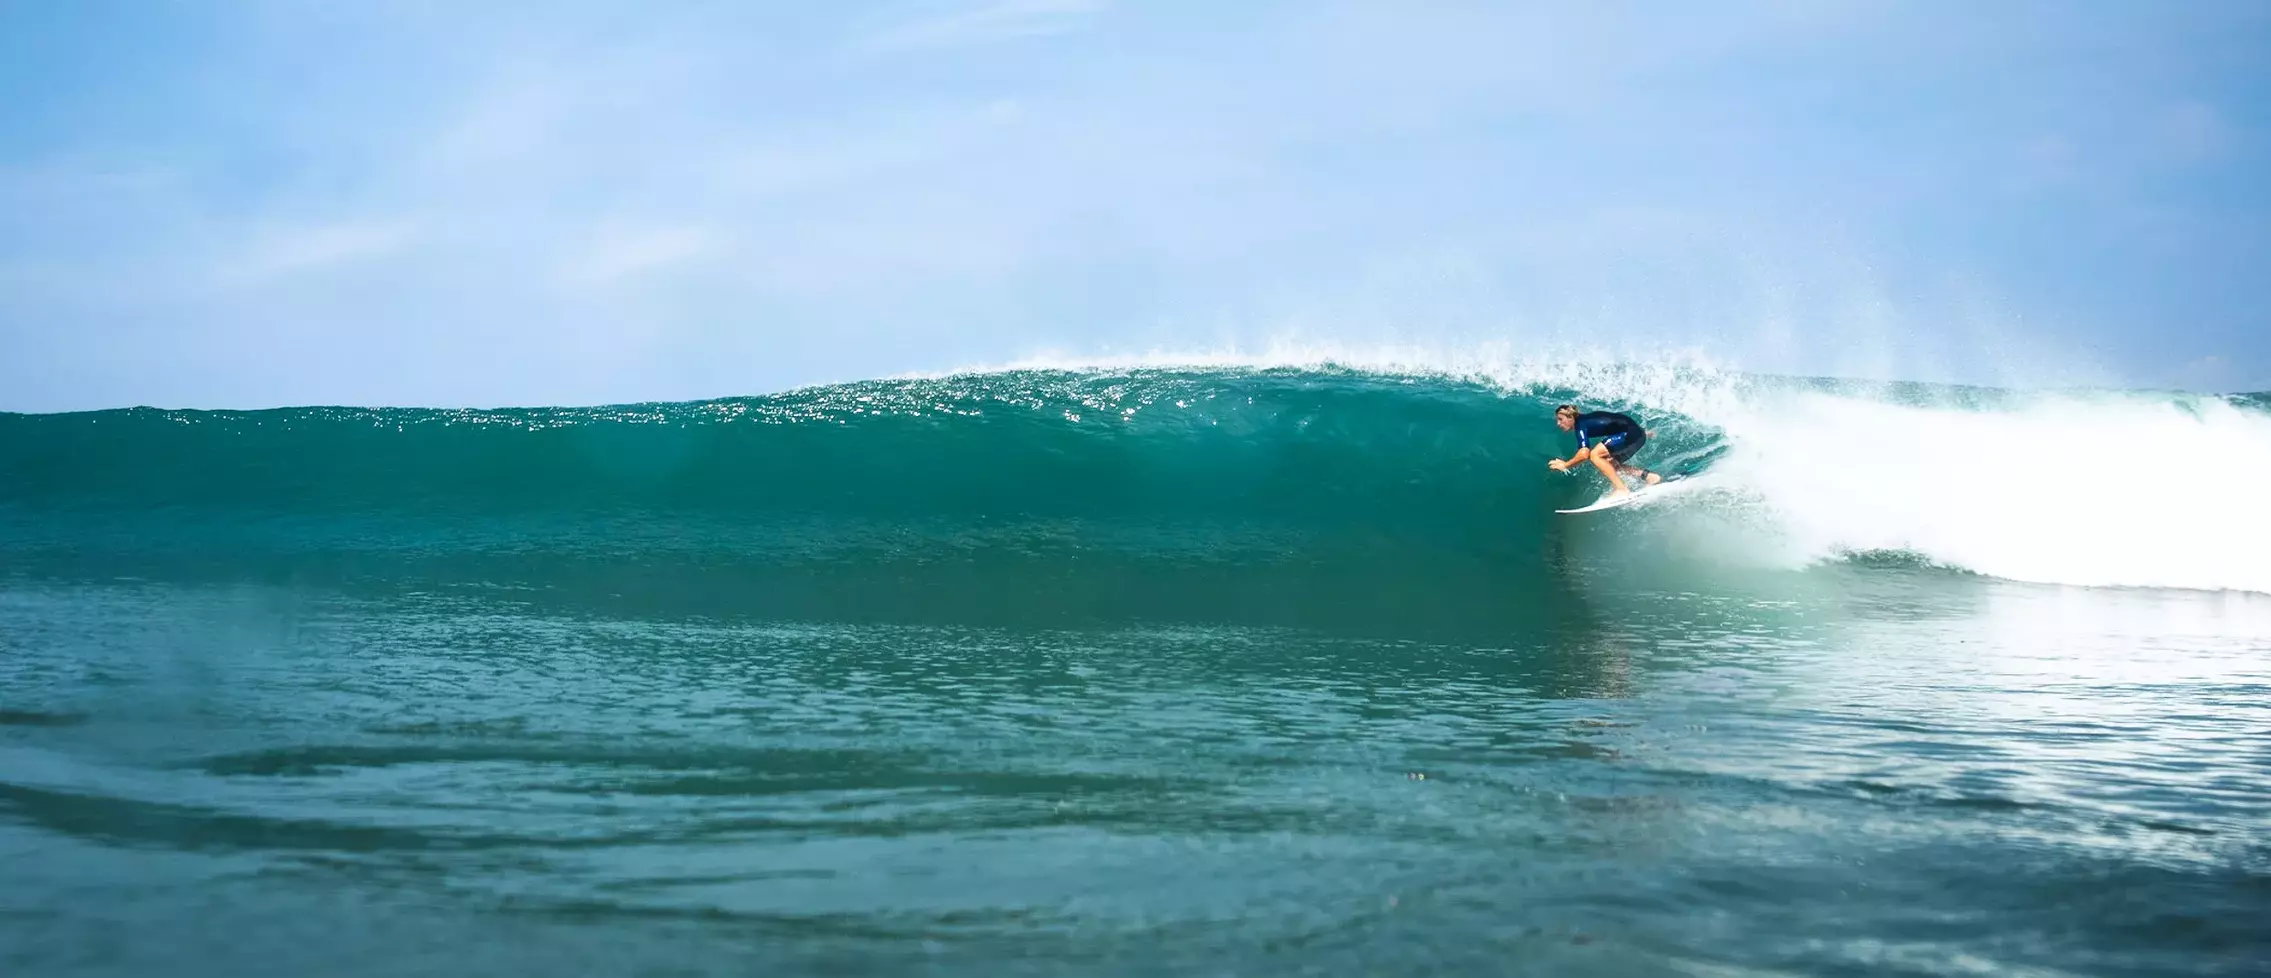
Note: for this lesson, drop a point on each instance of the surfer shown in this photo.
(1607, 438)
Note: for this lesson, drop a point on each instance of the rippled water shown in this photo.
(1877, 772)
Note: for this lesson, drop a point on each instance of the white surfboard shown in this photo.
(1641, 494)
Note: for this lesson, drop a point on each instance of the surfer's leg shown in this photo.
(1600, 457)
(1622, 451)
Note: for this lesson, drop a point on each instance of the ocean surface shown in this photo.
(1156, 670)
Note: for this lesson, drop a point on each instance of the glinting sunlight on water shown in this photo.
(1141, 669)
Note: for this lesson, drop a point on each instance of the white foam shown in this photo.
(2089, 489)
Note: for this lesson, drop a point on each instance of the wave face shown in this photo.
(1208, 477)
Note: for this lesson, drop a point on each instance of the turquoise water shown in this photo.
(1154, 672)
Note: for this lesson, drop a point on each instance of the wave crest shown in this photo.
(1208, 461)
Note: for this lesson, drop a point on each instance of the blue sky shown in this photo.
(290, 201)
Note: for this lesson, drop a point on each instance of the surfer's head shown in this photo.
(1565, 416)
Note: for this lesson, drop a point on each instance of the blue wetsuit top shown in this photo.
(1607, 427)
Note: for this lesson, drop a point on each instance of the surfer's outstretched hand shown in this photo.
(1558, 464)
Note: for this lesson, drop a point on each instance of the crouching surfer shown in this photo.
(1607, 438)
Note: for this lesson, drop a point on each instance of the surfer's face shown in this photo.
(1566, 421)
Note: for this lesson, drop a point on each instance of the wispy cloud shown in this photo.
(299, 249)
(943, 25)
(618, 255)
(2194, 131)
